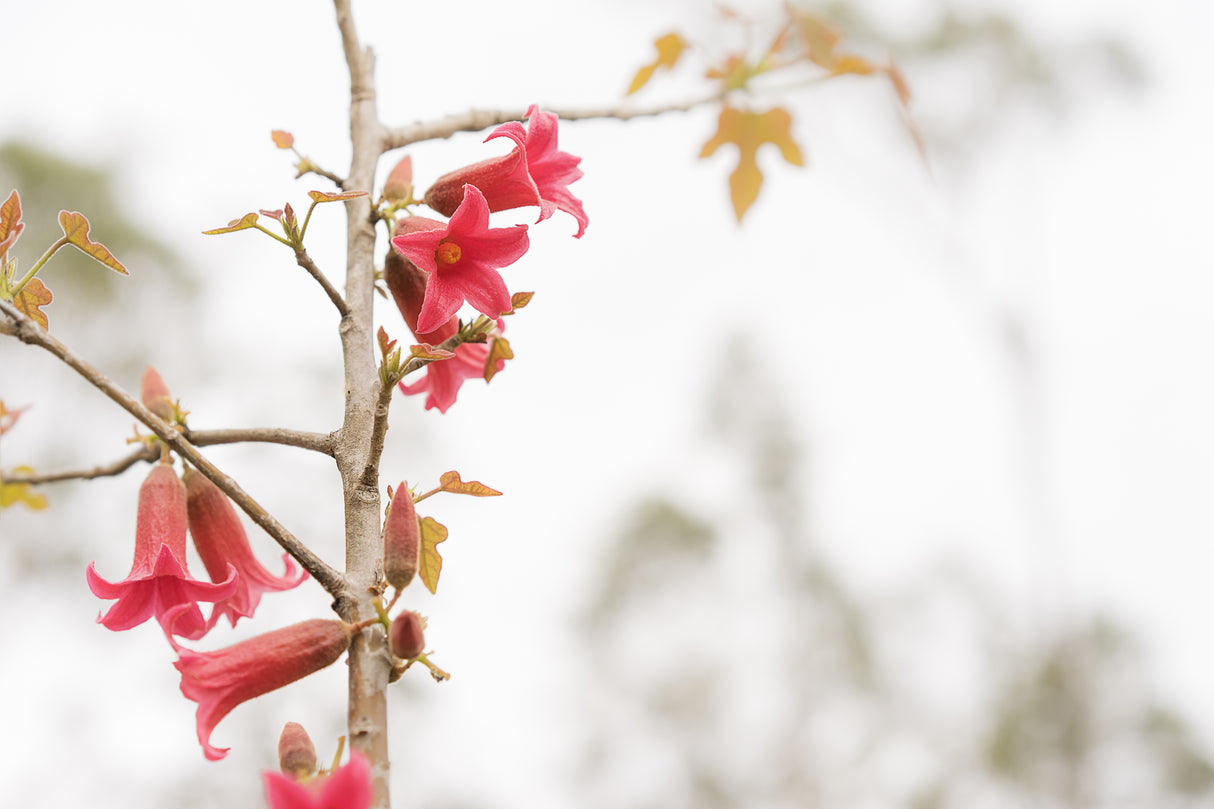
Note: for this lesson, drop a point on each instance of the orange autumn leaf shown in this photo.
(451, 482)
(282, 138)
(76, 228)
(748, 131)
(31, 298)
(324, 196)
(430, 563)
(670, 47)
(10, 221)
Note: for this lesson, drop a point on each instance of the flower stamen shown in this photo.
(447, 253)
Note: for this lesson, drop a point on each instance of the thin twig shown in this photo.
(340, 182)
(379, 431)
(317, 442)
(305, 261)
(27, 331)
(476, 120)
(146, 452)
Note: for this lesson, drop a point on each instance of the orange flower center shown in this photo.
(447, 253)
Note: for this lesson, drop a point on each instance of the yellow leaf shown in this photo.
(748, 131)
(818, 37)
(76, 228)
(450, 482)
(499, 352)
(518, 300)
(430, 564)
(29, 300)
(850, 63)
(670, 47)
(13, 493)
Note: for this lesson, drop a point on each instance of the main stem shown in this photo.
(370, 662)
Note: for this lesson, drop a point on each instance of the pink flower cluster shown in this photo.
(448, 264)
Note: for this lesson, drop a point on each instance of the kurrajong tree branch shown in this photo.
(477, 120)
(304, 260)
(27, 331)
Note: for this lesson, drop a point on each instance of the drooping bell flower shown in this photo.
(461, 259)
(222, 544)
(158, 581)
(348, 787)
(442, 379)
(535, 172)
(219, 681)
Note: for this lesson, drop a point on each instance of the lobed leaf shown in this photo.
(451, 482)
(321, 196)
(245, 222)
(31, 298)
(430, 563)
(670, 47)
(748, 131)
(10, 221)
(13, 493)
(76, 227)
(425, 351)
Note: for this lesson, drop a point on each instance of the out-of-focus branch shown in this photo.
(29, 332)
(476, 120)
(144, 453)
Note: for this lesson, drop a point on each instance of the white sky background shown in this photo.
(868, 288)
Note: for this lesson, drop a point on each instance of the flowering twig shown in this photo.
(476, 120)
(305, 261)
(27, 331)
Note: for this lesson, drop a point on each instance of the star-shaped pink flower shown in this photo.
(349, 787)
(461, 258)
(535, 172)
(158, 581)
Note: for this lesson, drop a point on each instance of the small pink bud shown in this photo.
(402, 539)
(399, 185)
(155, 395)
(296, 753)
(405, 637)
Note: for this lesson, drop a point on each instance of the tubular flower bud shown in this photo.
(159, 582)
(219, 681)
(223, 545)
(405, 638)
(402, 539)
(349, 787)
(155, 395)
(399, 185)
(296, 753)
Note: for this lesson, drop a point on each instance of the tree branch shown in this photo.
(476, 120)
(370, 662)
(305, 261)
(31, 333)
(146, 452)
(317, 442)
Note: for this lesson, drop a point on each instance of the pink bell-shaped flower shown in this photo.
(220, 680)
(223, 545)
(159, 582)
